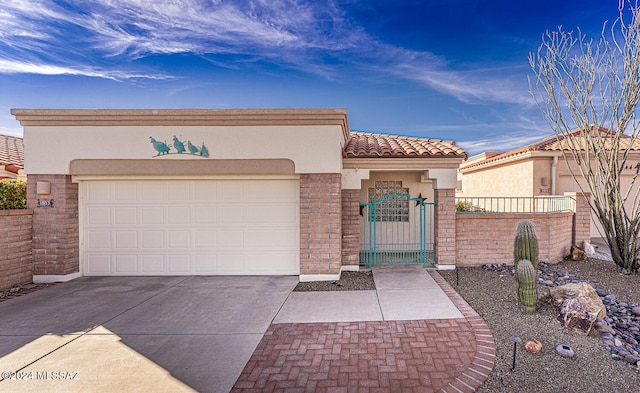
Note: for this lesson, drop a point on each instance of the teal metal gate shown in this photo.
(397, 229)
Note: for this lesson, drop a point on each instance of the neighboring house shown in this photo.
(235, 191)
(538, 169)
(11, 158)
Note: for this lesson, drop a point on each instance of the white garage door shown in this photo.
(189, 227)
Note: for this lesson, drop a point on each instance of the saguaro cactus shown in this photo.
(526, 244)
(526, 276)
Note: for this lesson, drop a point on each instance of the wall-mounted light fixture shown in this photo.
(544, 181)
(43, 188)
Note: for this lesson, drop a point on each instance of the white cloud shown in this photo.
(17, 67)
(92, 35)
(502, 143)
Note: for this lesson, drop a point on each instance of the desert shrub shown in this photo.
(13, 194)
(466, 206)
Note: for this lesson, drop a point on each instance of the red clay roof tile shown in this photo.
(11, 151)
(364, 144)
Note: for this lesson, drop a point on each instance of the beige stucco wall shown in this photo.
(313, 148)
(542, 182)
(507, 180)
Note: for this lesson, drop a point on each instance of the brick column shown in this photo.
(581, 218)
(320, 226)
(350, 229)
(56, 247)
(445, 227)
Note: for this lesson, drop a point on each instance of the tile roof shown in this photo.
(368, 145)
(551, 143)
(11, 151)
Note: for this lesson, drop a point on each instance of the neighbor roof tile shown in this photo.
(553, 143)
(11, 151)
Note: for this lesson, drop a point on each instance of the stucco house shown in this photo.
(11, 158)
(538, 169)
(230, 192)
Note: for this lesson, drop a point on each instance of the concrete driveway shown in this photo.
(161, 334)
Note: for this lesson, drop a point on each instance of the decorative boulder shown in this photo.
(558, 295)
(577, 254)
(578, 314)
(533, 346)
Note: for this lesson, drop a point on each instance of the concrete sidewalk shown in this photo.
(403, 292)
(212, 334)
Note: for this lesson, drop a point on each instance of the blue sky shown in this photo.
(450, 69)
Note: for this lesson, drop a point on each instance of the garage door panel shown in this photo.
(232, 239)
(99, 216)
(271, 239)
(231, 264)
(124, 192)
(125, 215)
(205, 192)
(152, 240)
(99, 240)
(205, 263)
(205, 239)
(205, 215)
(179, 191)
(151, 191)
(151, 264)
(126, 264)
(179, 239)
(98, 192)
(232, 192)
(126, 240)
(152, 215)
(179, 264)
(99, 264)
(179, 215)
(184, 227)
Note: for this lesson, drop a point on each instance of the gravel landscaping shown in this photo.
(492, 293)
(349, 281)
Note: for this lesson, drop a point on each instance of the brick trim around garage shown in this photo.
(56, 248)
(320, 224)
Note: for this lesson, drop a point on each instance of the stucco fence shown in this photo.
(16, 234)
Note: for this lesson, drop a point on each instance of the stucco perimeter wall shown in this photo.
(488, 238)
(16, 258)
(507, 180)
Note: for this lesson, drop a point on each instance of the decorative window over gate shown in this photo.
(391, 209)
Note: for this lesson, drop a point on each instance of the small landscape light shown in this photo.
(515, 339)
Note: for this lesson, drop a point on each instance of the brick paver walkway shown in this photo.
(446, 355)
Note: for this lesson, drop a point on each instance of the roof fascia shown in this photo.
(185, 117)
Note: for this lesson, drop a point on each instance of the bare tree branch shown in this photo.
(588, 92)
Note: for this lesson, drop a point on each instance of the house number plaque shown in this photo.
(45, 203)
